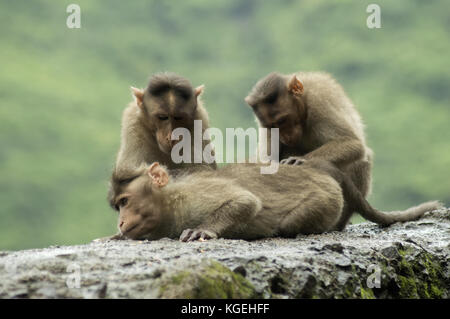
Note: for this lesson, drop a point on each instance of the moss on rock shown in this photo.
(367, 293)
(419, 276)
(210, 280)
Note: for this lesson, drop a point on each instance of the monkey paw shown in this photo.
(293, 160)
(197, 234)
(109, 238)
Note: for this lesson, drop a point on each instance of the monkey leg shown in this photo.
(360, 173)
(315, 214)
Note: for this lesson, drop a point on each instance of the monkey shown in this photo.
(120, 179)
(315, 119)
(168, 102)
(237, 202)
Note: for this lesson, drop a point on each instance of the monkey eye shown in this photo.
(123, 202)
(163, 117)
(281, 122)
(178, 118)
(271, 98)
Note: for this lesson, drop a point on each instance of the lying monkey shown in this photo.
(238, 202)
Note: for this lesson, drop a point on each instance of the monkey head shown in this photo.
(277, 101)
(140, 204)
(169, 102)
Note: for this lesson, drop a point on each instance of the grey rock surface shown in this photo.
(405, 260)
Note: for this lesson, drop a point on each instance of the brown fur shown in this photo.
(316, 119)
(167, 103)
(239, 202)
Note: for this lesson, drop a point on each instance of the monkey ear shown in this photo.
(295, 86)
(139, 95)
(159, 175)
(199, 90)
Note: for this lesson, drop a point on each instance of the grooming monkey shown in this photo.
(239, 202)
(316, 119)
(169, 102)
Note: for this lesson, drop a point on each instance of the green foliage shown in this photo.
(62, 92)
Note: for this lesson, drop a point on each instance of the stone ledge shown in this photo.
(405, 260)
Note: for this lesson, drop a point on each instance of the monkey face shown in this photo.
(165, 123)
(137, 216)
(283, 115)
(167, 112)
(277, 103)
(139, 205)
(291, 134)
(169, 102)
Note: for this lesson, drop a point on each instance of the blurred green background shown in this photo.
(62, 92)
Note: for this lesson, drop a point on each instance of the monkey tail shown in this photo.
(360, 205)
(387, 218)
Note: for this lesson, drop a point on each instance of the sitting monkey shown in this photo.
(239, 202)
(169, 102)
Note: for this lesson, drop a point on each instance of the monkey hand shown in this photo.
(105, 239)
(197, 234)
(293, 160)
